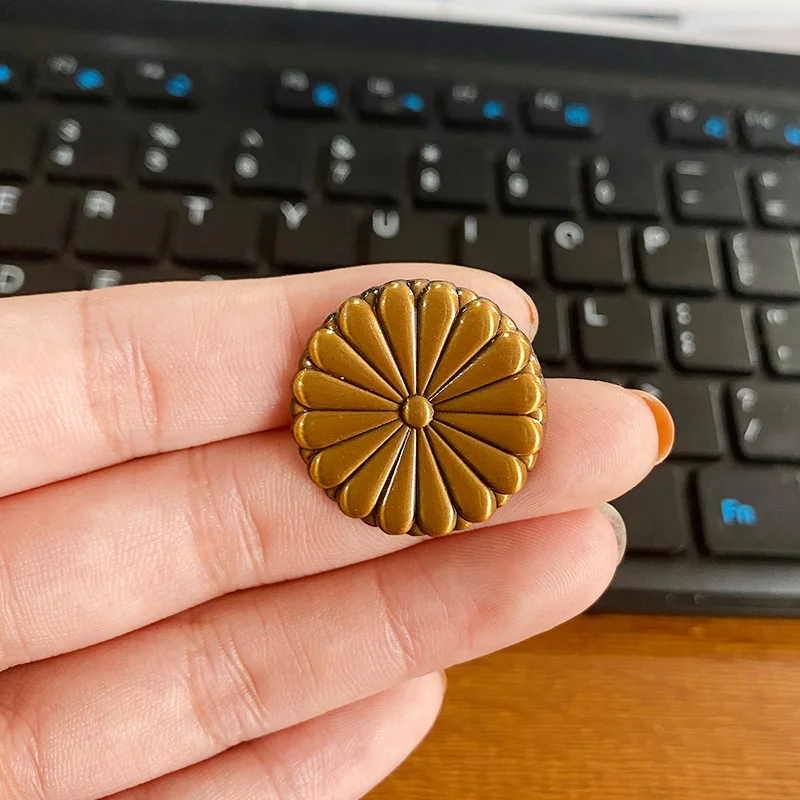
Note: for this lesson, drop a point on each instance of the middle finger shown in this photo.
(98, 556)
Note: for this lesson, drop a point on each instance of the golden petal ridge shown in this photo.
(397, 510)
(360, 327)
(473, 499)
(314, 430)
(419, 407)
(518, 435)
(359, 494)
(335, 464)
(435, 513)
(397, 310)
(331, 353)
(475, 327)
(521, 394)
(504, 473)
(315, 389)
(438, 307)
(503, 357)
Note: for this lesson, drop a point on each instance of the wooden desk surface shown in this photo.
(620, 708)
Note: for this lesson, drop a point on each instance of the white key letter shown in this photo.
(197, 208)
(9, 199)
(99, 204)
(294, 214)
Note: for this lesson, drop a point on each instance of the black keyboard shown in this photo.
(647, 195)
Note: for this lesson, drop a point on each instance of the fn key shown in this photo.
(750, 512)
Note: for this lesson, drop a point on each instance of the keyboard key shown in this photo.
(466, 104)
(777, 196)
(656, 513)
(12, 279)
(712, 336)
(384, 98)
(552, 338)
(316, 237)
(764, 264)
(365, 167)
(679, 260)
(126, 227)
(27, 279)
(205, 274)
(766, 129)
(76, 78)
(707, 191)
(19, 143)
(508, 247)
(596, 375)
(538, 177)
(686, 122)
(278, 159)
(767, 420)
(750, 512)
(699, 431)
(564, 115)
(97, 151)
(455, 174)
(589, 254)
(619, 331)
(225, 232)
(107, 277)
(623, 185)
(33, 220)
(299, 92)
(780, 327)
(185, 157)
(159, 83)
(13, 75)
(397, 236)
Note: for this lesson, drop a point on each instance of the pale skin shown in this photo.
(183, 614)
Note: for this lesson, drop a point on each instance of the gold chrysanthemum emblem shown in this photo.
(419, 407)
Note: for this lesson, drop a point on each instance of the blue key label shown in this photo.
(494, 109)
(735, 513)
(178, 85)
(413, 102)
(578, 115)
(715, 127)
(325, 95)
(792, 134)
(89, 79)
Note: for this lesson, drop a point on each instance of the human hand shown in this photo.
(183, 614)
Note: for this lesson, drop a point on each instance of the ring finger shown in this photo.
(337, 756)
(259, 661)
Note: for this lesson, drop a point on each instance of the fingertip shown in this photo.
(601, 441)
(422, 700)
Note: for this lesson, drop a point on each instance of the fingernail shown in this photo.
(618, 526)
(664, 423)
(534, 317)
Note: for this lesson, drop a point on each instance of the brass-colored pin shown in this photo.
(419, 407)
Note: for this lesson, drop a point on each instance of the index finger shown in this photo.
(97, 378)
